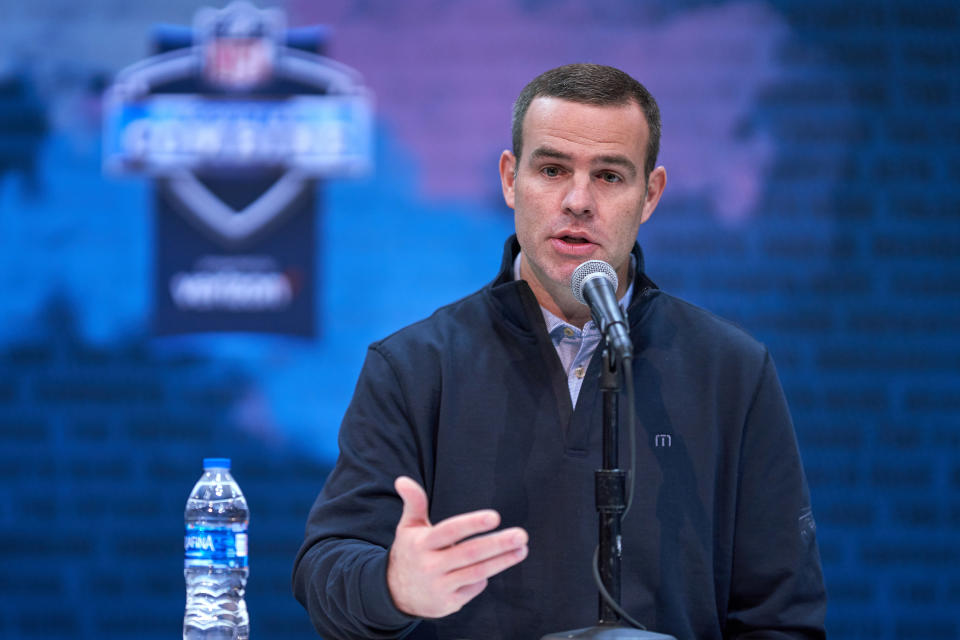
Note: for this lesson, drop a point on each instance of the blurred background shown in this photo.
(813, 155)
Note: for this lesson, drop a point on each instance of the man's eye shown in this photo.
(608, 176)
(551, 172)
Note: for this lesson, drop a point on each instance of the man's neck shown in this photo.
(560, 303)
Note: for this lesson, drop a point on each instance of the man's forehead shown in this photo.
(556, 127)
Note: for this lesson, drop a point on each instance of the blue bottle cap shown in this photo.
(216, 463)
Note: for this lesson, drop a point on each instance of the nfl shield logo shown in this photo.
(239, 44)
(235, 120)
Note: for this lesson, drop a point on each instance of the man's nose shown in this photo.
(579, 199)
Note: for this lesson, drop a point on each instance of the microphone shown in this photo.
(594, 283)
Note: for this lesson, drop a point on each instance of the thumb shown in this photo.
(414, 503)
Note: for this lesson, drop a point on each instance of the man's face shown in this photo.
(579, 192)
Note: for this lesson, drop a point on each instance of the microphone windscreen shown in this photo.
(587, 271)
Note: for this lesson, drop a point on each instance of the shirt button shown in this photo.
(579, 372)
(567, 331)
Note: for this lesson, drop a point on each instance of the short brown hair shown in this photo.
(590, 84)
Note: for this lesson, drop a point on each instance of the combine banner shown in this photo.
(235, 121)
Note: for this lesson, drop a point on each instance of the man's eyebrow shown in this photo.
(548, 152)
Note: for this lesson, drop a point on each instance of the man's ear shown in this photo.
(508, 176)
(655, 186)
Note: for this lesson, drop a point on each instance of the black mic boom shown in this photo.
(594, 283)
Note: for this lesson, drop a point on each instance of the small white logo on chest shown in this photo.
(663, 440)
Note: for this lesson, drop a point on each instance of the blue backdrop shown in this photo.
(813, 154)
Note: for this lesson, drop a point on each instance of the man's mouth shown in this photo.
(570, 239)
(573, 245)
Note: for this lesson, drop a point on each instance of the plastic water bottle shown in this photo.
(215, 556)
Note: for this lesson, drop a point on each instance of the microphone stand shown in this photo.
(611, 490)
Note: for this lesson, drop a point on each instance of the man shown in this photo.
(488, 414)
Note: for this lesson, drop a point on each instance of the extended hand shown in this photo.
(432, 570)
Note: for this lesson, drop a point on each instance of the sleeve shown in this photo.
(339, 575)
(777, 588)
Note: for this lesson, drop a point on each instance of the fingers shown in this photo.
(448, 532)
(481, 549)
(454, 529)
(477, 573)
(414, 503)
(433, 570)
